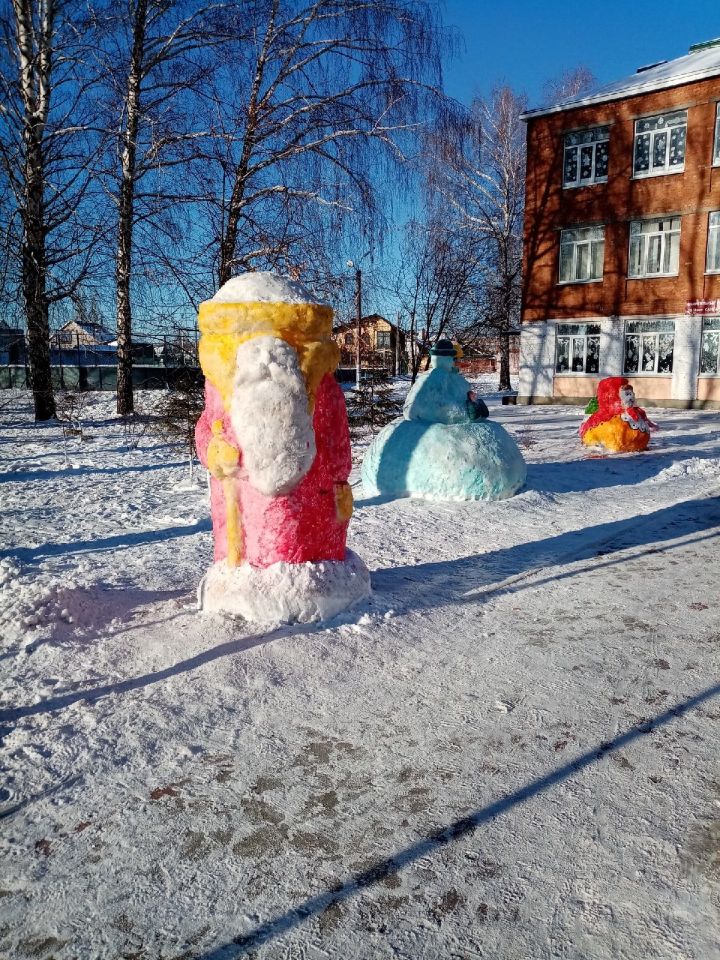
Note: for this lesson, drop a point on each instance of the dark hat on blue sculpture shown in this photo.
(443, 348)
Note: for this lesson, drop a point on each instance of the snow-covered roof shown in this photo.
(93, 327)
(701, 62)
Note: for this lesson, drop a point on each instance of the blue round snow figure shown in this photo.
(444, 448)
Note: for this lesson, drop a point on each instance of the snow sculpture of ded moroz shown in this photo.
(615, 421)
(444, 448)
(274, 437)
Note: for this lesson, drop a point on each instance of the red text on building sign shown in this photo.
(702, 308)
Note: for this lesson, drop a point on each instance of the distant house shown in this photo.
(378, 339)
(12, 344)
(484, 356)
(81, 333)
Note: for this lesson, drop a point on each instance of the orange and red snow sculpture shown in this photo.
(274, 437)
(615, 421)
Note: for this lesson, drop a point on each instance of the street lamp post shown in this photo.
(396, 363)
(358, 322)
(358, 313)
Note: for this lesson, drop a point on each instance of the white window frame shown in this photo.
(649, 331)
(664, 127)
(576, 333)
(716, 142)
(584, 139)
(712, 264)
(590, 240)
(710, 328)
(646, 238)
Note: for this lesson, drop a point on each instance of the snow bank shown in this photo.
(264, 287)
(697, 467)
(285, 592)
(33, 606)
(270, 416)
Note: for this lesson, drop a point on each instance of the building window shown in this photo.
(716, 149)
(712, 262)
(654, 247)
(582, 251)
(660, 144)
(710, 346)
(349, 339)
(382, 339)
(577, 348)
(649, 346)
(586, 157)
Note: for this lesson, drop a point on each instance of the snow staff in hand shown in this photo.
(275, 440)
(615, 421)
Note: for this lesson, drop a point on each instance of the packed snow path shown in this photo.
(511, 751)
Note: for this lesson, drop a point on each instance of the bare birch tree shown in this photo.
(478, 167)
(310, 115)
(572, 83)
(155, 57)
(437, 274)
(46, 149)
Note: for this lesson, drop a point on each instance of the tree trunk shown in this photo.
(228, 241)
(506, 324)
(413, 348)
(505, 361)
(125, 403)
(123, 267)
(36, 305)
(34, 80)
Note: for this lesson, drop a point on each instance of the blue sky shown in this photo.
(524, 43)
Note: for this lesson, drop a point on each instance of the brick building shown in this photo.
(622, 238)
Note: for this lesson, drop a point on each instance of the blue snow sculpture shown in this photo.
(444, 448)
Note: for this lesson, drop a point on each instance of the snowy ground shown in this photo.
(511, 751)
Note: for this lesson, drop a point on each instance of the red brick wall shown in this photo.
(477, 365)
(548, 207)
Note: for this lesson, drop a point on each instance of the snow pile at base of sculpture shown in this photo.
(286, 592)
(615, 421)
(444, 448)
(274, 437)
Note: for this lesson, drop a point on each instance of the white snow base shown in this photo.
(285, 592)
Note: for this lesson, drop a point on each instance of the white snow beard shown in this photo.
(269, 414)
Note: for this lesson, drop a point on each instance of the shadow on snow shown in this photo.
(120, 541)
(26, 476)
(596, 472)
(91, 694)
(464, 826)
(450, 580)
